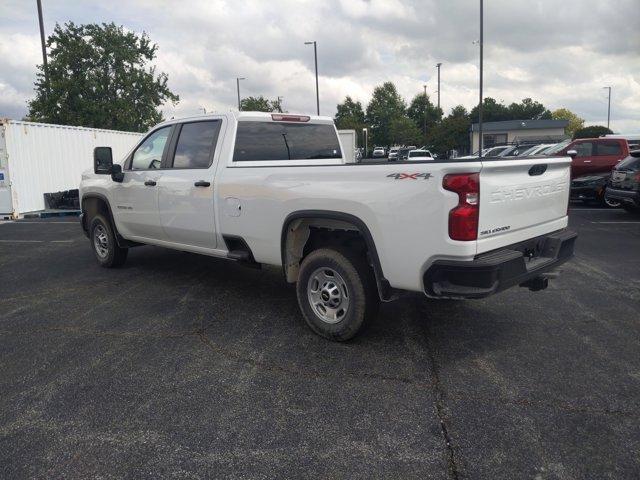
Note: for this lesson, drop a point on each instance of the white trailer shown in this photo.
(348, 143)
(39, 158)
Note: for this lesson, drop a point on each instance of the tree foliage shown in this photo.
(386, 105)
(403, 131)
(528, 109)
(260, 104)
(594, 131)
(575, 122)
(494, 111)
(350, 116)
(452, 133)
(98, 76)
(420, 107)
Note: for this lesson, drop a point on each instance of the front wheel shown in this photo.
(336, 292)
(609, 202)
(104, 244)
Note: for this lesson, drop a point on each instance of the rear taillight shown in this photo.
(636, 177)
(463, 219)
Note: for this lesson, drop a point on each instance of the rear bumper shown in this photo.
(630, 197)
(498, 270)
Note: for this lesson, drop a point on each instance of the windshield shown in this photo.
(632, 162)
(494, 152)
(558, 147)
(529, 151)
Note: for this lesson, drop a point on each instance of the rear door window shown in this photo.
(196, 143)
(265, 141)
(609, 148)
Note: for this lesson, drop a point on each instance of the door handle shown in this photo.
(202, 183)
(150, 183)
(587, 161)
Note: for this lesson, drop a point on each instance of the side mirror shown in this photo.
(116, 173)
(572, 153)
(102, 160)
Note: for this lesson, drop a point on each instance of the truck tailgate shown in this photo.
(522, 198)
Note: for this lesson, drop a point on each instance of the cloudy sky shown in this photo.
(561, 53)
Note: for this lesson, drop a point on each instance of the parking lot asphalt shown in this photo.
(183, 366)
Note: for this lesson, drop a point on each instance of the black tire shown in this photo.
(101, 233)
(607, 203)
(357, 278)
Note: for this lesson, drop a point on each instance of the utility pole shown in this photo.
(438, 65)
(480, 142)
(238, 87)
(45, 65)
(608, 107)
(315, 56)
(425, 110)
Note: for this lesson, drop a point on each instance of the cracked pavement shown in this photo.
(184, 366)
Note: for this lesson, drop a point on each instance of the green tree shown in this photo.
(452, 132)
(420, 107)
(492, 111)
(98, 76)
(403, 131)
(575, 122)
(528, 109)
(350, 116)
(260, 104)
(386, 105)
(594, 131)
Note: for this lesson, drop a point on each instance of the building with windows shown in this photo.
(518, 131)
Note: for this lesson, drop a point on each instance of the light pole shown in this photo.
(608, 107)
(438, 65)
(366, 138)
(280, 98)
(45, 65)
(315, 56)
(425, 110)
(480, 142)
(238, 86)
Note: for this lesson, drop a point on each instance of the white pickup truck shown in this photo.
(274, 189)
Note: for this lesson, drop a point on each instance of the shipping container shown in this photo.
(40, 158)
(348, 143)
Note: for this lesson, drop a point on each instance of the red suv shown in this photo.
(594, 155)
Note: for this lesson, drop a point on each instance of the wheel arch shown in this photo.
(93, 203)
(306, 218)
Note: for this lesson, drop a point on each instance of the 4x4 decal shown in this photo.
(412, 176)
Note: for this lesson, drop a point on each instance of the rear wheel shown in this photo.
(104, 244)
(336, 292)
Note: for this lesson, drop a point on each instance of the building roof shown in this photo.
(509, 125)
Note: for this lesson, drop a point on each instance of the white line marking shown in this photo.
(596, 210)
(615, 222)
(22, 241)
(61, 241)
(43, 223)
